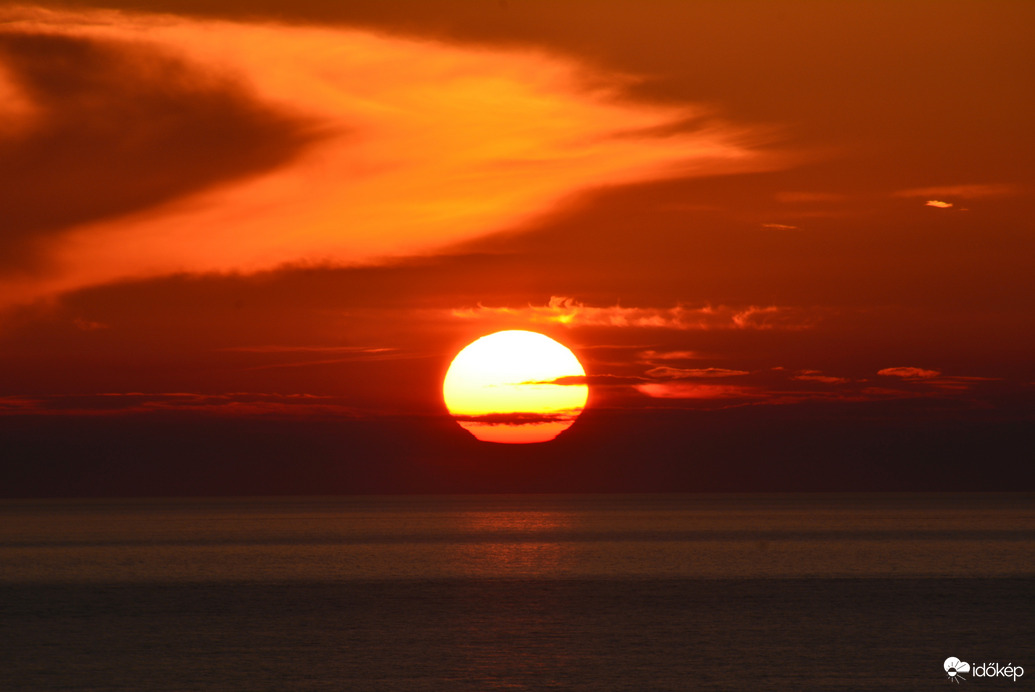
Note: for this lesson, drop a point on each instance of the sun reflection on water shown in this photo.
(516, 544)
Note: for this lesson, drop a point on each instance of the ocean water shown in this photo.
(638, 592)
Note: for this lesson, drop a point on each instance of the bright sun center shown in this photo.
(507, 387)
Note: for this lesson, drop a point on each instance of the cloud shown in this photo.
(222, 146)
(115, 128)
(776, 386)
(683, 373)
(345, 354)
(966, 191)
(18, 404)
(571, 313)
(937, 203)
(279, 348)
(231, 404)
(325, 361)
(689, 390)
(604, 380)
(909, 373)
(88, 325)
(934, 378)
(650, 356)
(811, 376)
(518, 418)
(779, 226)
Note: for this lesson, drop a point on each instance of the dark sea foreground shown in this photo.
(832, 634)
(652, 593)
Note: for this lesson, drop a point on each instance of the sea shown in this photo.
(519, 592)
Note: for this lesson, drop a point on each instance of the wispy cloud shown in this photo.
(963, 191)
(650, 355)
(571, 313)
(935, 378)
(89, 325)
(780, 386)
(665, 371)
(281, 348)
(367, 145)
(693, 390)
(343, 354)
(232, 404)
(817, 376)
(115, 128)
(604, 380)
(909, 372)
(938, 203)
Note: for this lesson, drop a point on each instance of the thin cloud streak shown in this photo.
(965, 191)
(230, 404)
(691, 390)
(909, 372)
(823, 379)
(650, 356)
(571, 313)
(665, 371)
(275, 348)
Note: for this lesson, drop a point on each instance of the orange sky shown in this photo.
(300, 212)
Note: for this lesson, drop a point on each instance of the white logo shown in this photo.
(954, 666)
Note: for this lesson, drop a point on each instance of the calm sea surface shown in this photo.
(639, 592)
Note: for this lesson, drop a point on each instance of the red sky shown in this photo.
(791, 242)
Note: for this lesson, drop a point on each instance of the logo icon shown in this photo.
(953, 667)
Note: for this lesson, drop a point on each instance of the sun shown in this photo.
(511, 387)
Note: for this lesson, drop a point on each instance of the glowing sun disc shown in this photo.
(508, 387)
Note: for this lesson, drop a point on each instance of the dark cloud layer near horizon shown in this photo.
(747, 450)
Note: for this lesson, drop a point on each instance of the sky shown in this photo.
(791, 243)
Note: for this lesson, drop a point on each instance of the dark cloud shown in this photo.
(517, 418)
(117, 128)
